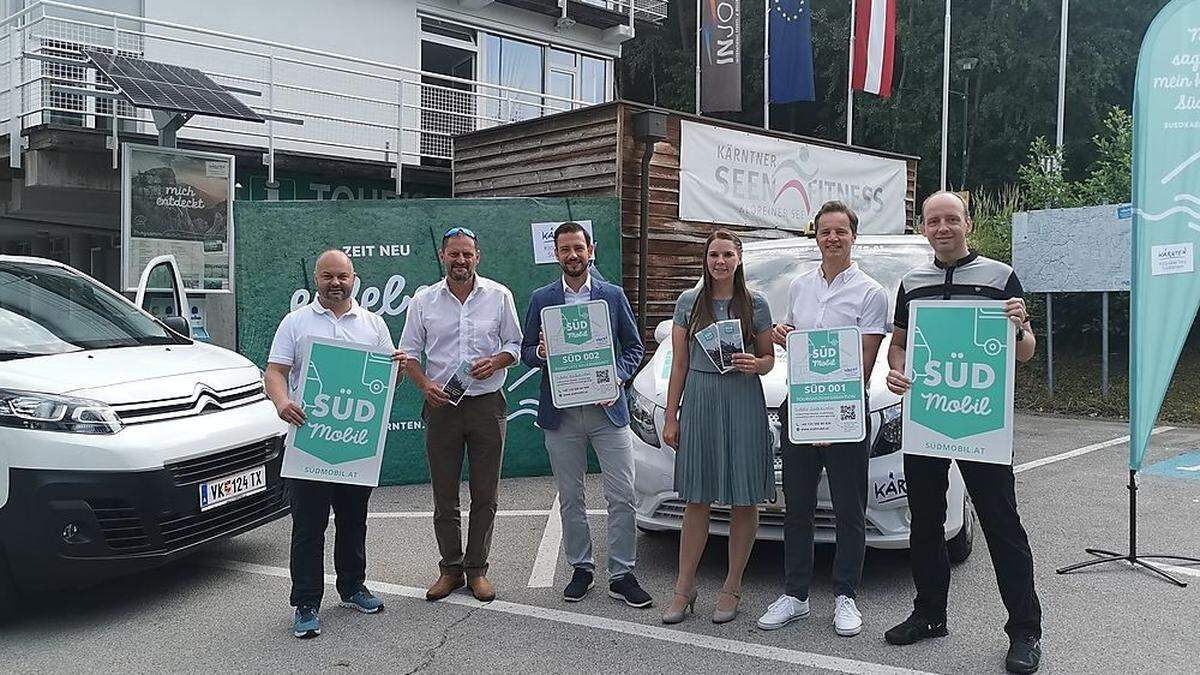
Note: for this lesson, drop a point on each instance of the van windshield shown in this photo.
(46, 309)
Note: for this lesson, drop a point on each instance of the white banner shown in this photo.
(739, 178)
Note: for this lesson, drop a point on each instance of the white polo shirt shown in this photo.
(448, 332)
(852, 299)
(298, 328)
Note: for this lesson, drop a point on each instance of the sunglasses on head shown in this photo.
(458, 231)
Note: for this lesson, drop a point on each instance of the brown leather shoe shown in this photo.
(482, 589)
(446, 584)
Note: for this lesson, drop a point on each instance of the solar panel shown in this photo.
(149, 84)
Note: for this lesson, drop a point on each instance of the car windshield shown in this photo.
(771, 271)
(45, 309)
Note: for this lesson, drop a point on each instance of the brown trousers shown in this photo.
(477, 424)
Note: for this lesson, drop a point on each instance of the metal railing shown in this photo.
(349, 107)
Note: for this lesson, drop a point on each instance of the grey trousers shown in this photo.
(846, 466)
(567, 446)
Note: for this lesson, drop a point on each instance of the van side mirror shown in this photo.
(179, 324)
(662, 332)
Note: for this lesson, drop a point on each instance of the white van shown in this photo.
(123, 444)
(770, 266)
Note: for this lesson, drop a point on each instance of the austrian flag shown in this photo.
(874, 46)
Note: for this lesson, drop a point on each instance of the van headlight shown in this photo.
(888, 440)
(48, 412)
(641, 418)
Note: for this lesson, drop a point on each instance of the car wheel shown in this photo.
(960, 546)
(8, 592)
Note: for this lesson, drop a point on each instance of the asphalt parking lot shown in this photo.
(227, 610)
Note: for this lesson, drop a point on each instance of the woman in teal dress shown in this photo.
(720, 433)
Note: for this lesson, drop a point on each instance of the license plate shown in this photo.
(224, 490)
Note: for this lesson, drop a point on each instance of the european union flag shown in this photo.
(791, 64)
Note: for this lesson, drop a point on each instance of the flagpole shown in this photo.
(850, 77)
(698, 3)
(767, 65)
(945, 92)
(1062, 74)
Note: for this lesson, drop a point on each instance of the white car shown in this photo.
(770, 267)
(123, 444)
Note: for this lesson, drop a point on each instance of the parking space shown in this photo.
(227, 611)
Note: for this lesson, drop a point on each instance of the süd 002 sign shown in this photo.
(961, 362)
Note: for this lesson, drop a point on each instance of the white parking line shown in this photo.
(546, 561)
(1080, 451)
(716, 644)
(529, 513)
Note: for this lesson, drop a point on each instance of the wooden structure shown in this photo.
(593, 152)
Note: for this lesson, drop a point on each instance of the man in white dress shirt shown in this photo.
(463, 318)
(834, 295)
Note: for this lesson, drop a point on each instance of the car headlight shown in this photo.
(641, 418)
(889, 437)
(48, 412)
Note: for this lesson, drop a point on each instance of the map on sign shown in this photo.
(1085, 250)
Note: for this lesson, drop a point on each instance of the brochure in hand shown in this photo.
(456, 387)
(720, 341)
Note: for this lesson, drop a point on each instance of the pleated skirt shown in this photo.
(724, 442)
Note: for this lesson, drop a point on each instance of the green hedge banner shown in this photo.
(394, 248)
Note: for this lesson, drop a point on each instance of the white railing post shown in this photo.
(399, 135)
(16, 48)
(116, 104)
(271, 184)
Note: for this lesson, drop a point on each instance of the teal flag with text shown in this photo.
(1166, 220)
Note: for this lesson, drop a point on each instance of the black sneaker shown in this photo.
(626, 588)
(581, 583)
(1024, 655)
(914, 629)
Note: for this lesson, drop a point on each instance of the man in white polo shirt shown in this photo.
(464, 318)
(834, 295)
(333, 314)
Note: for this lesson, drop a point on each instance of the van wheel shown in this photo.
(960, 546)
(8, 592)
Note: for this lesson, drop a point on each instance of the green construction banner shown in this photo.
(393, 244)
(1166, 202)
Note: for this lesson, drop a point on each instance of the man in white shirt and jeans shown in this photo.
(333, 314)
(463, 318)
(834, 295)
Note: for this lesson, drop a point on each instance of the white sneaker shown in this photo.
(847, 620)
(782, 612)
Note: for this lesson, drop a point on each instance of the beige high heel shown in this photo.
(670, 617)
(722, 616)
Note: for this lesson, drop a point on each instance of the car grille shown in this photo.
(225, 463)
(203, 401)
(179, 531)
(119, 524)
(823, 519)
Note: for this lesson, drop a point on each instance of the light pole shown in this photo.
(966, 65)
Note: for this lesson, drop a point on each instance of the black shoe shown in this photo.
(1024, 655)
(581, 583)
(626, 588)
(915, 629)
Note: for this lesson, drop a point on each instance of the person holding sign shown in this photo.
(333, 315)
(603, 424)
(720, 434)
(834, 295)
(956, 273)
(466, 328)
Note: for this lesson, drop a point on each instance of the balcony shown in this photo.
(597, 13)
(347, 107)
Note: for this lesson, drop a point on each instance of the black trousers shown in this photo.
(991, 487)
(311, 501)
(846, 466)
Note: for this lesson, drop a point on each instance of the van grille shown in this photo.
(225, 463)
(202, 401)
(179, 531)
(119, 523)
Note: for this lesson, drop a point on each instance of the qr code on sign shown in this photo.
(603, 377)
(848, 413)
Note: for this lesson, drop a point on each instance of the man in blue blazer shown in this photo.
(606, 426)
